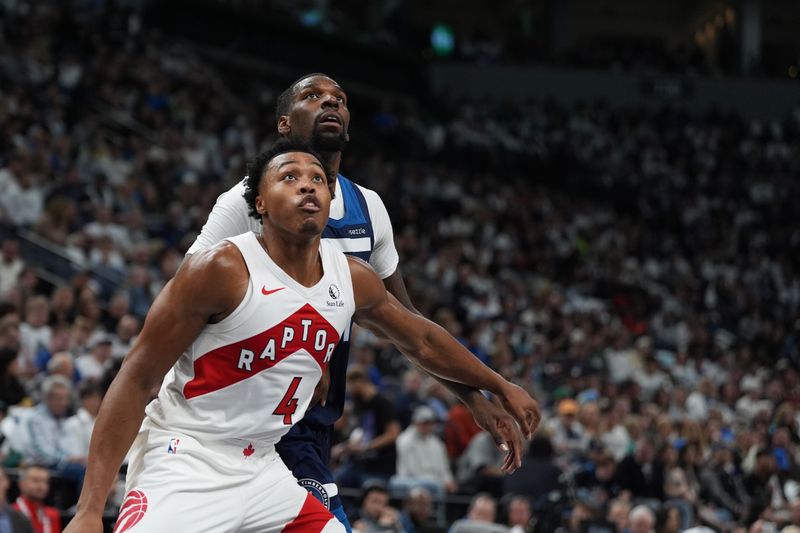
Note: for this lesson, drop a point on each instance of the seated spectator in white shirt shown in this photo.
(749, 405)
(11, 265)
(46, 431)
(34, 333)
(79, 426)
(422, 456)
(94, 364)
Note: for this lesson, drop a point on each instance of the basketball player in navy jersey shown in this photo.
(238, 340)
(314, 108)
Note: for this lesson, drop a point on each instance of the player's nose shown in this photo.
(330, 100)
(307, 187)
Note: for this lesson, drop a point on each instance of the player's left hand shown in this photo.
(519, 404)
(503, 429)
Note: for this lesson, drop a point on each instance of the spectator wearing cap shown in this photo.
(94, 364)
(566, 433)
(422, 457)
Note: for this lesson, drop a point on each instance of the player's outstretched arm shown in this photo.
(206, 288)
(487, 415)
(423, 341)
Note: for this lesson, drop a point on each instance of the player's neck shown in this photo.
(332, 160)
(299, 258)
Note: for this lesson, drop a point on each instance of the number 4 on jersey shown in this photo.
(288, 404)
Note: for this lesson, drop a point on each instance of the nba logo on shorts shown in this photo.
(173, 446)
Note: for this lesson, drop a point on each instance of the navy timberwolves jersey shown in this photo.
(353, 234)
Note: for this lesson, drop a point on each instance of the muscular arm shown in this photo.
(423, 342)
(206, 288)
(484, 412)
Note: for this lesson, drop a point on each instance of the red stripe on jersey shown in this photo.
(220, 367)
(312, 518)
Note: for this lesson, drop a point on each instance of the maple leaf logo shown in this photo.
(249, 450)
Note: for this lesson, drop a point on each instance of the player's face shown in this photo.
(293, 194)
(319, 114)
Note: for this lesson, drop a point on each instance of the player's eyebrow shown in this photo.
(293, 161)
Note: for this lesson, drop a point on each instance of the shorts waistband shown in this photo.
(249, 449)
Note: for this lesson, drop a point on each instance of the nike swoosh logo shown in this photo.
(267, 292)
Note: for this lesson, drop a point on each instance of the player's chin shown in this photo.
(311, 227)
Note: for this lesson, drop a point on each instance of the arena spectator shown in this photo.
(78, 427)
(371, 446)
(34, 486)
(46, 432)
(11, 519)
(375, 514)
(480, 517)
(422, 457)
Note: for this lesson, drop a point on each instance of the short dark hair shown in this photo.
(373, 485)
(284, 103)
(257, 167)
(8, 308)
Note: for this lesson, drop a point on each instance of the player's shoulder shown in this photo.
(222, 259)
(361, 272)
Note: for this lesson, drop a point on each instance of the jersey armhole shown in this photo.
(225, 324)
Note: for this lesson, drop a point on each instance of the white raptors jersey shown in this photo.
(252, 375)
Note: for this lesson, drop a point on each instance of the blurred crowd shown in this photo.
(633, 269)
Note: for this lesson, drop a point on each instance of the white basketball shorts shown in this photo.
(178, 484)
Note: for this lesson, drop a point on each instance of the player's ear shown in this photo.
(347, 137)
(260, 207)
(284, 129)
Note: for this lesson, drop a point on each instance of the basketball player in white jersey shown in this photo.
(315, 108)
(243, 333)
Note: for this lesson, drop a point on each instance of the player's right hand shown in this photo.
(84, 523)
(519, 404)
(503, 429)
